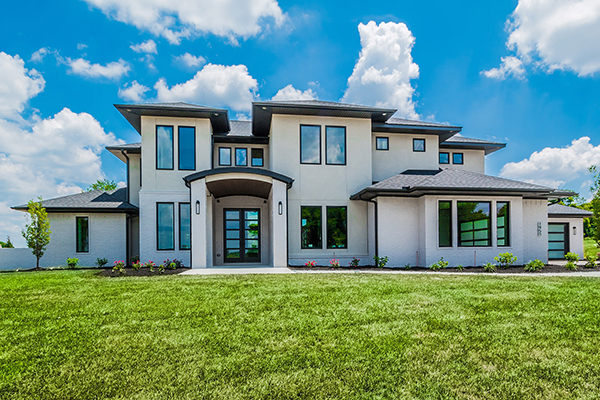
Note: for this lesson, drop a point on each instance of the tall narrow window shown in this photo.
(187, 148)
(164, 226)
(335, 145)
(241, 157)
(474, 227)
(444, 158)
(164, 147)
(419, 145)
(382, 143)
(184, 226)
(457, 158)
(503, 223)
(310, 226)
(224, 156)
(337, 237)
(83, 234)
(257, 158)
(445, 223)
(310, 144)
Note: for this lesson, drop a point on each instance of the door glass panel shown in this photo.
(556, 246)
(556, 228)
(252, 234)
(232, 214)
(232, 234)
(252, 244)
(556, 254)
(233, 225)
(556, 237)
(232, 244)
(252, 254)
(251, 224)
(251, 215)
(232, 253)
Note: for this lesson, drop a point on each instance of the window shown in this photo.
(310, 228)
(83, 234)
(444, 158)
(164, 226)
(419, 145)
(335, 145)
(502, 222)
(336, 228)
(187, 148)
(164, 147)
(457, 158)
(382, 143)
(310, 144)
(224, 156)
(241, 157)
(184, 226)
(474, 227)
(257, 157)
(445, 223)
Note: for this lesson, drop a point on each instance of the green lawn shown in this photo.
(589, 246)
(72, 335)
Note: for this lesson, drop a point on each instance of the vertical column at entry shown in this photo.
(200, 217)
(279, 234)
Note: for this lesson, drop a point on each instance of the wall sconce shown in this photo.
(198, 207)
(574, 230)
(280, 208)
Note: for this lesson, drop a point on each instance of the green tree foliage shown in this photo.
(595, 203)
(8, 244)
(37, 231)
(102, 184)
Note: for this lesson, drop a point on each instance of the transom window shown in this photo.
(310, 144)
(444, 158)
(419, 145)
(457, 158)
(224, 156)
(241, 157)
(310, 227)
(382, 143)
(83, 234)
(335, 145)
(474, 227)
(164, 147)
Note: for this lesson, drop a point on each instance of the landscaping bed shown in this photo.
(140, 272)
(515, 269)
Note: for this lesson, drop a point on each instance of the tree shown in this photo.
(37, 232)
(8, 244)
(102, 184)
(595, 203)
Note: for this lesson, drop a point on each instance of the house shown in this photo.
(306, 180)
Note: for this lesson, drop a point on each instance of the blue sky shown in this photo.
(540, 98)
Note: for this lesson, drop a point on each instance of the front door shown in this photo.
(242, 235)
(558, 241)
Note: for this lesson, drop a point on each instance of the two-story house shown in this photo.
(306, 180)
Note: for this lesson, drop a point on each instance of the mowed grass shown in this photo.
(590, 247)
(72, 335)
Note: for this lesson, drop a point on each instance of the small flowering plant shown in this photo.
(355, 262)
(310, 264)
(136, 265)
(151, 265)
(119, 267)
(334, 263)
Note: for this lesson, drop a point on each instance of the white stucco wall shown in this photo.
(575, 239)
(400, 156)
(473, 160)
(398, 230)
(134, 179)
(535, 247)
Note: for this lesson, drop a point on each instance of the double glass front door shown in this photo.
(242, 235)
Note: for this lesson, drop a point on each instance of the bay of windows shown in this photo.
(473, 223)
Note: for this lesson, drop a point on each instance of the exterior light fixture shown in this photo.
(264, 108)
(280, 208)
(216, 115)
(198, 207)
(384, 114)
(574, 230)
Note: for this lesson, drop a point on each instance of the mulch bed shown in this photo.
(512, 270)
(140, 272)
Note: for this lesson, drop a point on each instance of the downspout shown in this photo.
(376, 228)
(127, 216)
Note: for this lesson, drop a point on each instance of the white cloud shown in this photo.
(133, 91)
(149, 46)
(291, 93)
(511, 66)
(554, 166)
(113, 70)
(175, 20)
(38, 56)
(214, 85)
(81, 46)
(385, 67)
(17, 85)
(190, 61)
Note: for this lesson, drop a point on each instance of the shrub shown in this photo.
(150, 265)
(573, 257)
(172, 264)
(310, 264)
(72, 262)
(334, 263)
(119, 267)
(136, 265)
(380, 262)
(355, 262)
(534, 266)
(134, 259)
(439, 265)
(489, 267)
(161, 269)
(571, 266)
(591, 260)
(459, 267)
(505, 260)
(407, 266)
(101, 262)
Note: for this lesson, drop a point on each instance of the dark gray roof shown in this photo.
(462, 142)
(129, 147)
(240, 128)
(401, 125)
(96, 200)
(559, 210)
(450, 180)
(321, 104)
(412, 122)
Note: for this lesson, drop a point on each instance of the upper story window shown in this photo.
(164, 147)
(457, 158)
(474, 224)
(444, 158)
(419, 145)
(257, 157)
(241, 157)
(310, 144)
(224, 155)
(187, 148)
(382, 143)
(335, 145)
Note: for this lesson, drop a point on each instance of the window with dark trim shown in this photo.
(457, 158)
(187, 148)
(382, 143)
(185, 233)
(241, 157)
(83, 234)
(310, 144)
(335, 145)
(474, 224)
(419, 145)
(257, 157)
(444, 158)
(445, 223)
(503, 223)
(165, 217)
(337, 228)
(164, 147)
(310, 227)
(224, 155)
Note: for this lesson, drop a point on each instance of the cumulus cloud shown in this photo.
(382, 75)
(113, 70)
(17, 85)
(149, 46)
(554, 166)
(38, 56)
(175, 20)
(291, 93)
(133, 91)
(510, 66)
(215, 85)
(81, 46)
(189, 61)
